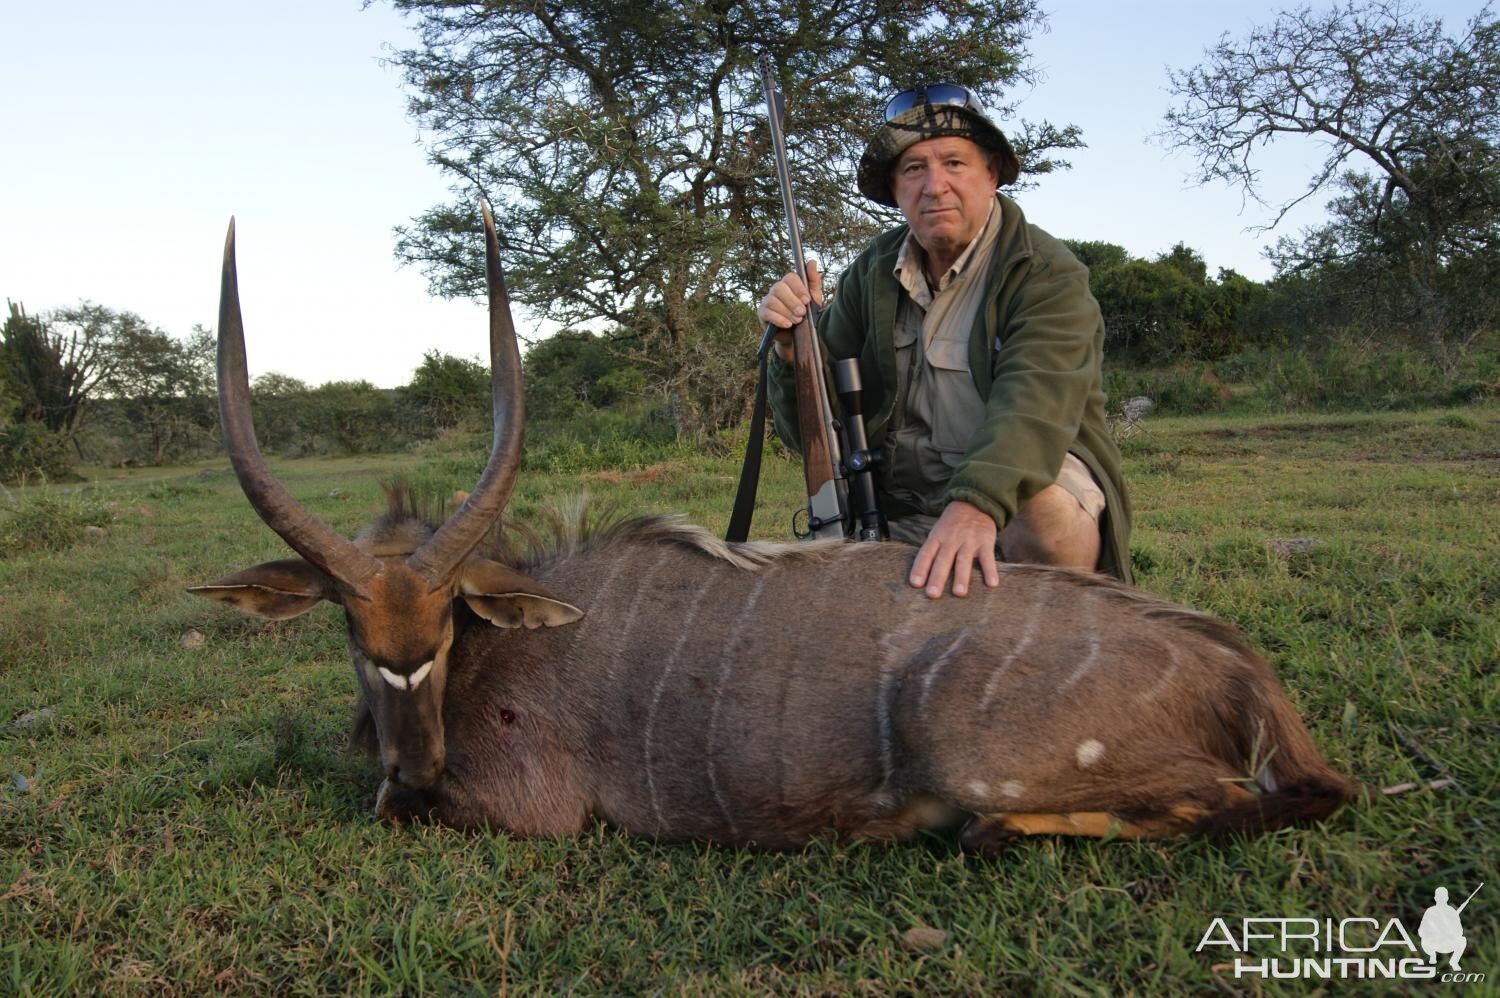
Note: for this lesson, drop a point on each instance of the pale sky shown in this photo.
(129, 133)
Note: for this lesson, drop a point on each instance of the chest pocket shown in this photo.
(952, 403)
(951, 356)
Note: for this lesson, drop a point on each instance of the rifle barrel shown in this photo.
(827, 490)
(776, 106)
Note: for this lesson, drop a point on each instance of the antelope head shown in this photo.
(397, 598)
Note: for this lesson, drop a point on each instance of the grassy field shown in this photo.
(185, 819)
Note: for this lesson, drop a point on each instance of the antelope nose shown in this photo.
(413, 774)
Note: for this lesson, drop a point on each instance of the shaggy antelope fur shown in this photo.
(568, 528)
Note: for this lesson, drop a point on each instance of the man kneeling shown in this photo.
(980, 350)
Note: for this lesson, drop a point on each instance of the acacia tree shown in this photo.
(625, 149)
(1411, 120)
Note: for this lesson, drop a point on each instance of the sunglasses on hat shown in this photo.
(936, 95)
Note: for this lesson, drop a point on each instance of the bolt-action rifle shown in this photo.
(825, 439)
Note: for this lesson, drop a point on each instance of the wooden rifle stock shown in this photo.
(817, 453)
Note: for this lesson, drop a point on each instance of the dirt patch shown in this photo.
(1297, 430)
(637, 476)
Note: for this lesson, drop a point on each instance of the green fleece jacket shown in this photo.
(1034, 355)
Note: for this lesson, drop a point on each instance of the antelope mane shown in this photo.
(569, 527)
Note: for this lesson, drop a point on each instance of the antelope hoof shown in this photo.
(987, 833)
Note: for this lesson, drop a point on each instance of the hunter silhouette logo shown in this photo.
(1354, 947)
(1441, 931)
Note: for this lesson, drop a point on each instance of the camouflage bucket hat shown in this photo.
(929, 112)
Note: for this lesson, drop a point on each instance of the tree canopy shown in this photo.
(624, 146)
(161, 385)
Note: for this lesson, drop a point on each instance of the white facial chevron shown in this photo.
(408, 683)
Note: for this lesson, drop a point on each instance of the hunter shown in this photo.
(980, 350)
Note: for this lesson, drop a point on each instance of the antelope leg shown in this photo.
(989, 831)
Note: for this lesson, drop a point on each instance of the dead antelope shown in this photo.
(680, 687)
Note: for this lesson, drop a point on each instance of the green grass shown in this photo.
(191, 822)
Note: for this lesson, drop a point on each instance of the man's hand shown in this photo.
(963, 535)
(786, 305)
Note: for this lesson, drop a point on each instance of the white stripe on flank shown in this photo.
(605, 589)
(1028, 632)
(939, 662)
(1088, 663)
(661, 684)
(1267, 779)
(726, 666)
(1164, 680)
(643, 588)
(895, 648)
(1091, 628)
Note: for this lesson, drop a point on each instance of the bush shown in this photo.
(1158, 311)
(1180, 390)
(704, 380)
(343, 417)
(50, 521)
(594, 440)
(603, 440)
(29, 450)
(1350, 373)
(447, 392)
(575, 371)
(136, 432)
(626, 436)
(1252, 366)
(355, 417)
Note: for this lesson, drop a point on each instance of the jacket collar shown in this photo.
(1013, 247)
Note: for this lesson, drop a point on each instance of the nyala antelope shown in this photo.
(679, 687)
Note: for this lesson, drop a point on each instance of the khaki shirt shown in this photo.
(937, 408)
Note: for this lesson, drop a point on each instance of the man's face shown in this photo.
(944, 187)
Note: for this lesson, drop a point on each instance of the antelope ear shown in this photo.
(276, 590)
(506, 598)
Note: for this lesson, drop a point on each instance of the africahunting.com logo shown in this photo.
(1345, 948)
